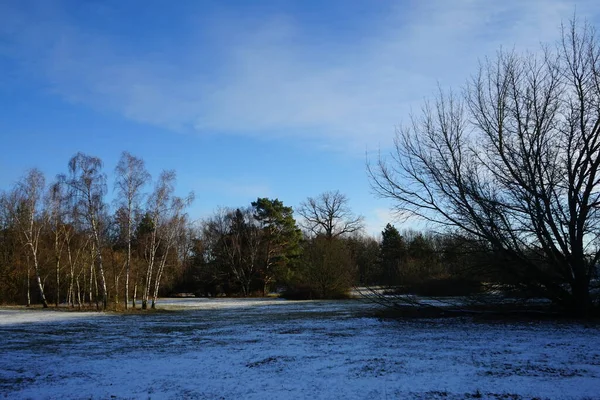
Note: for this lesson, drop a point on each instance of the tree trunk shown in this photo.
(161, 268)
(134, 294)
(71, 278)
(57, 285)
(101, 268)
(82, 290)
(266, 284)
(38, 279)
(146, 293)
(41, 288)
(127, 272)
(246, 288)
(103, 285)
(581, 298)
(28, 284)
(78, 295)
(96, 297)
(57, 251)
(116, 291)
(91, 277)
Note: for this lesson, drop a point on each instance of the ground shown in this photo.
(271, 348)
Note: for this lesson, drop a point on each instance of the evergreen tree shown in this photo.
(281, 236)
(392, 255)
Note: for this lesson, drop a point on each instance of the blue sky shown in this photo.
(244, 99)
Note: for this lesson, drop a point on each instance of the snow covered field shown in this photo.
(276, 349)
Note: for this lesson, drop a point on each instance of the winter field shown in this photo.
(277, 349)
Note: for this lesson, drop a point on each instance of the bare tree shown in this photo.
(244, 242)
(31, 219)
(329, 214)
(55, 206)
(87, 186)
(157, 208)
(131, 178)
(170, 230)
(514, 162)
(233, 239)
(213, 253)
(11, 249)
(76, 245)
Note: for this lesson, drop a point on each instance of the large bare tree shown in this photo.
(329, 214)
(131, 178)
(513, 160)
(87, 186)
(234, 239)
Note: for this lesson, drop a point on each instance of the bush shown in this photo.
(324, 271)
(299, 292)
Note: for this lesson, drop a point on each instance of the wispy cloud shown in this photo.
(268, 79)
(377, 219)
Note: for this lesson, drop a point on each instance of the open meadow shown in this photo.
(271, 348)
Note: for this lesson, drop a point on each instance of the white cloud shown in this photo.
(271, 80)
(376, 220)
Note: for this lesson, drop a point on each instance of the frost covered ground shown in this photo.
(276, 349)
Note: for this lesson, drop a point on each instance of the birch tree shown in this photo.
(131, 178)
(87, 185)
(172, 227)
(31, 219)
(76, 246)
(157, 208)
(56, 209)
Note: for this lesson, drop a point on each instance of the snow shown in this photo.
(19, 316)
(263, 348)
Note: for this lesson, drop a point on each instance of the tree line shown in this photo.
(62, 243)
(261, 248)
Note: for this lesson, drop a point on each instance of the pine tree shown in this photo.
(392, 254)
